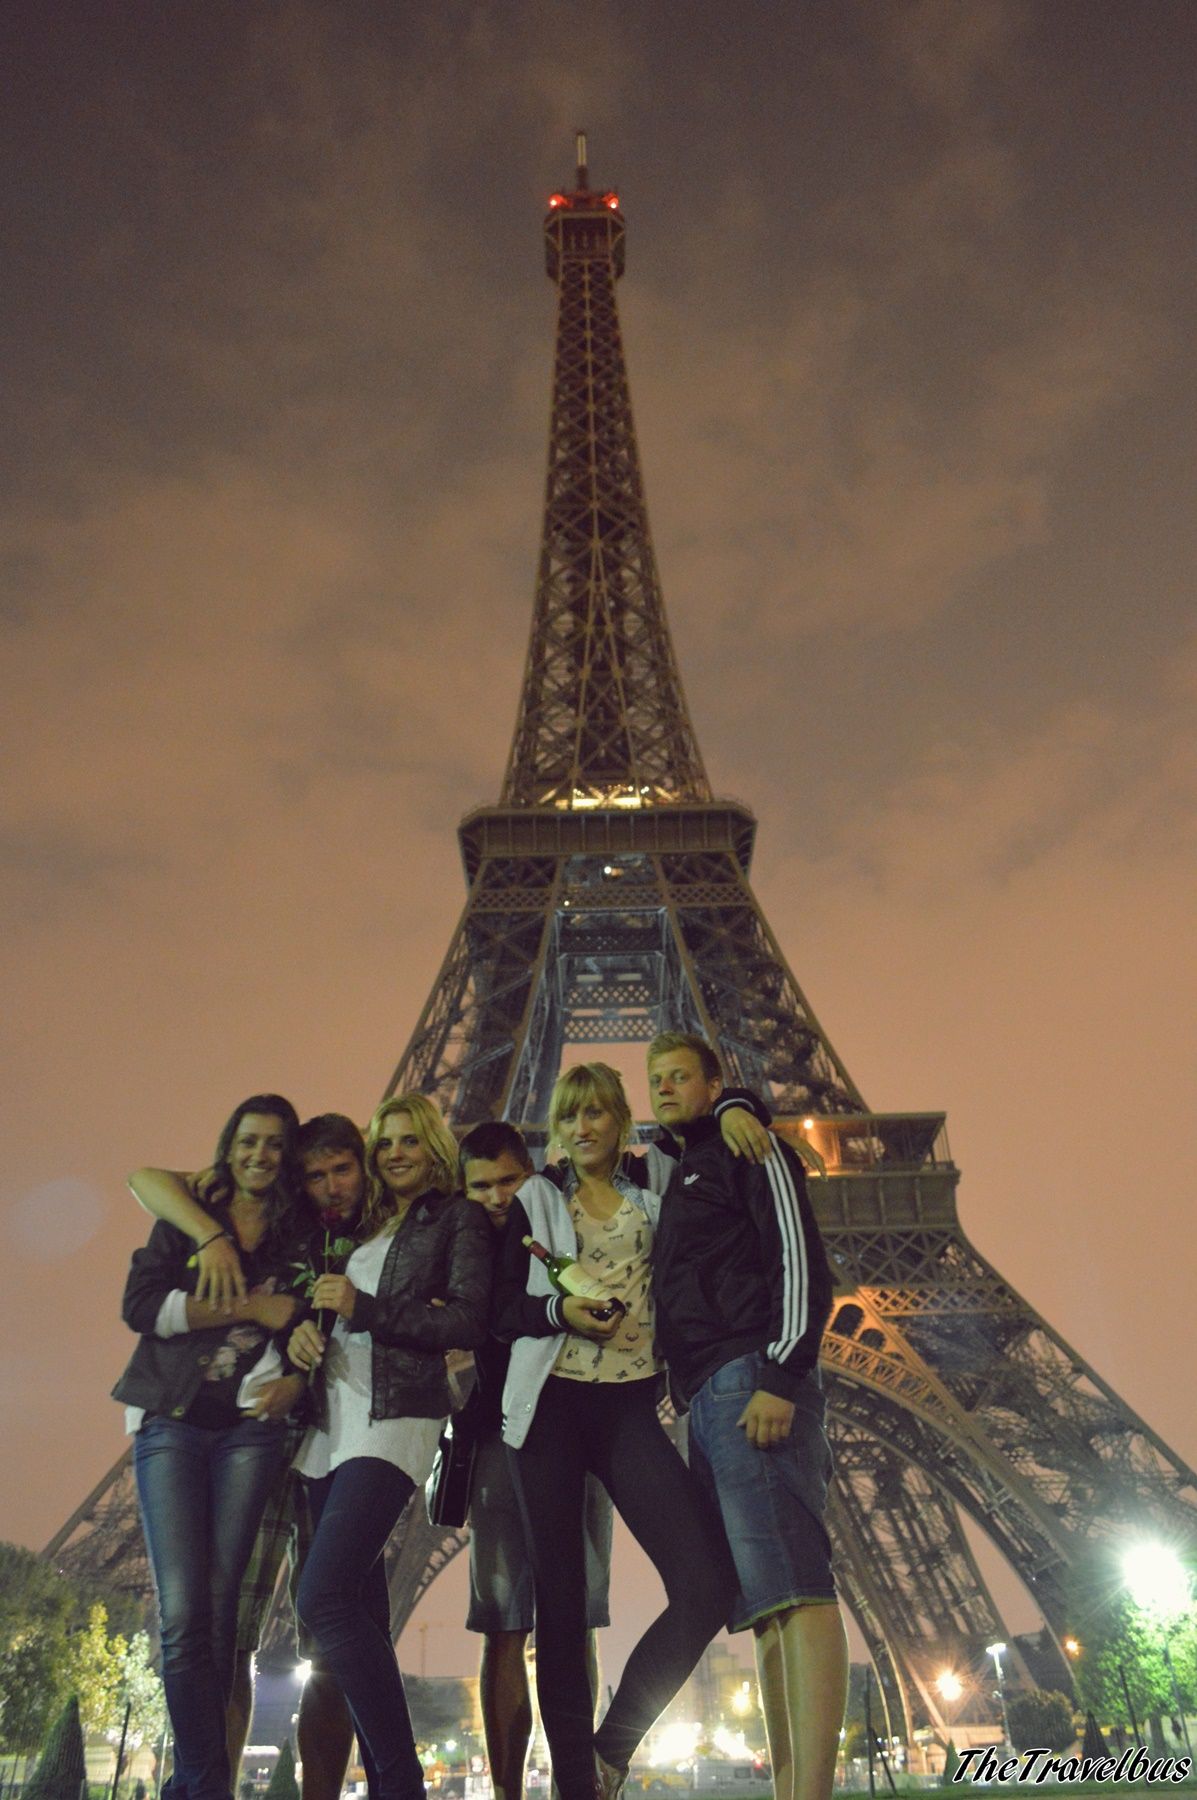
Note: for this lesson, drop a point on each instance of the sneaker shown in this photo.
(608, 1781)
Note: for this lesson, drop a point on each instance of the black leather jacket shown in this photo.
(164, 1374)
(441, 1251)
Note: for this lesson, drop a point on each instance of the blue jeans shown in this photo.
(344, 1603)
(202, 1495)
(772, 1501)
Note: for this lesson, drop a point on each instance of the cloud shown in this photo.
(49, 870)
(808, 480)
(1105, 790)
(946, 52)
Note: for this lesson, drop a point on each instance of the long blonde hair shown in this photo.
(429, 1126)
(586, 1082)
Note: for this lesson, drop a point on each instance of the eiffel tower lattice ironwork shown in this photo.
(608, 897)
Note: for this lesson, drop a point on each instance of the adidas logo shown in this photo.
(687, 1179)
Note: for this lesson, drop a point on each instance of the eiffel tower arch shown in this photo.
(608, 897)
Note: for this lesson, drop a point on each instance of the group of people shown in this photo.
(295, 1306)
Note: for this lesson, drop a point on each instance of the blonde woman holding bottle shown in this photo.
(581, 1398)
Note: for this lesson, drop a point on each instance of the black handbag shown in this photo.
(447, 1490)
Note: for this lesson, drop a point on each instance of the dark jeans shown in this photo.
(344, 1603)
(202, 1494)
(611, 1430)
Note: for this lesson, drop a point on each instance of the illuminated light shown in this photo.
(558, 200)
(1071, 1647)
(611, 200)
(742, 1699)
(303, 1671)
(729, 1743)
(949, 1685)
(1156, 1578)
(620, 797)
(808, 1124)
(678, 1741)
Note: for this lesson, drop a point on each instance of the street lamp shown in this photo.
(1158, 1583)
(997, 1651)
(949, 1687)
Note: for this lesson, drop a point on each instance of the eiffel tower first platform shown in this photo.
(608, 898)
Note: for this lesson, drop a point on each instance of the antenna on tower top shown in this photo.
(583, 171)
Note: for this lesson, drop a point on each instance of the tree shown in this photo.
(440, 1707)
(36, 1612)
(283, 1785)
(951, 1763)
(97, 1670)
(1040, 1718)
(1122, 1643)
(142, 1688)
(60, 1772)
(41, 1614)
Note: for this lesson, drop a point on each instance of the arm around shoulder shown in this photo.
(170, 1195)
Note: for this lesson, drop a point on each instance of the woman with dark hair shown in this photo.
(206, 1404)
(417, 1285)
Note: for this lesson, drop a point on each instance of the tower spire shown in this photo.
(602, 719)
(608, 889)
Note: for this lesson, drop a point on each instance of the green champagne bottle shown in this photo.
(569, 1277)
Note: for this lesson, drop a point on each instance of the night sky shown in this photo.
(908, 316)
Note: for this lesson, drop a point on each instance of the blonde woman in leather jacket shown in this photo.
(417, 1285)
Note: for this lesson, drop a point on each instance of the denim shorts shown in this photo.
(771, 1501)
(501, 1592)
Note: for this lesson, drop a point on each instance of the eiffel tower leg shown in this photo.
(867, 1606)
(935, 1354)
(913, 1574)
(102, 1541)
(489, 993)
(762, 1022)
(416, 1555)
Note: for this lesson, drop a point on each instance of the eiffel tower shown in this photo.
(607, 898)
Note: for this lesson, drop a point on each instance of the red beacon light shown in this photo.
(611, 200)
(556, 200)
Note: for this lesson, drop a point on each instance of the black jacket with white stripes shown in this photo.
(738, 1265)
